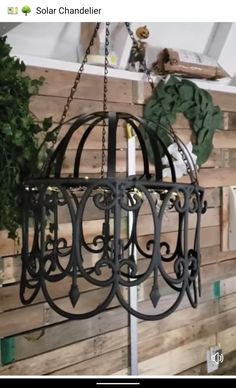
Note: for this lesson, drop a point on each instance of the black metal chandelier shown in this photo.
(111, 258)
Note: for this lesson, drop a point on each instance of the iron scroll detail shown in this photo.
(63, 263)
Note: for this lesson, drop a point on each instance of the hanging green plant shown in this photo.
(21, 152)
(183, 96)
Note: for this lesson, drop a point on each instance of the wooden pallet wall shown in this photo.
(35, 340)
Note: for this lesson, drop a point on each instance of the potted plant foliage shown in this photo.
(23, 141)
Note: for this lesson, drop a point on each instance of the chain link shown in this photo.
(75, 85)
(105, 90)
(136, 45)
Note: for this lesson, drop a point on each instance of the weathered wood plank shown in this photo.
(49, 338)
(232, 120)
(66, 356)
(41, 314)
(94, 141)
(107, 364)
(91, 161)
(212, 196)
(180, 318)
(216, 177)
(226, 255)
(209, 237)
(226, 101)
(227, 339)
(8, 246)
(228, 367)
(46, 106)
(221, 139)
(211, 255)
(225, 219)
(151, 344)
(39, 341)
(208, 177)
(9, 296)
(221, 270)
(59, 82)
(178, 359)
(228, 286)
(227, 303)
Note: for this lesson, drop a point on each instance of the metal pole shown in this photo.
(133, 297)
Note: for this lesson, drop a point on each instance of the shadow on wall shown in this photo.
(5, 27)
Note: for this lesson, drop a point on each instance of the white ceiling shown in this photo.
(61, 40)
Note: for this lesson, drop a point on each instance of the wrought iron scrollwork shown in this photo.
(64, 261)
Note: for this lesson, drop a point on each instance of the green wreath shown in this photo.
(183, 96)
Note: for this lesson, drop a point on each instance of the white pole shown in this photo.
(133, 297)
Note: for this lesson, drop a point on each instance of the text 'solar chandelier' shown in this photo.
(65, 261)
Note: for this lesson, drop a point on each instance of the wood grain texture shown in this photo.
(225, 219)
(228, 367)
(178, 359)
(151, 344)
(40, 315)
(112, 363)
(58, 83)
(66, 356)
(50, 337)
(52, 106)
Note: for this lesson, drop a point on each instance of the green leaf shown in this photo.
(185, 106)
(217, 120)
(204, 135)
(191, 112)
(20, 144)
(207, 122)
(47, 123)
(6, 129)
(203, 153)
(50, 136)
(186, 93)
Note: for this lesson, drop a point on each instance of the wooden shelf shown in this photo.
(219, 85)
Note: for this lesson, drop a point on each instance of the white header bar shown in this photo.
(117, 11)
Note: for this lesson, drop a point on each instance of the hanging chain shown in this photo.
(136, 45)
(105, 90)
(75, 85)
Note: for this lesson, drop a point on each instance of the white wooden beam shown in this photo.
(217, 39)
(121, 44)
